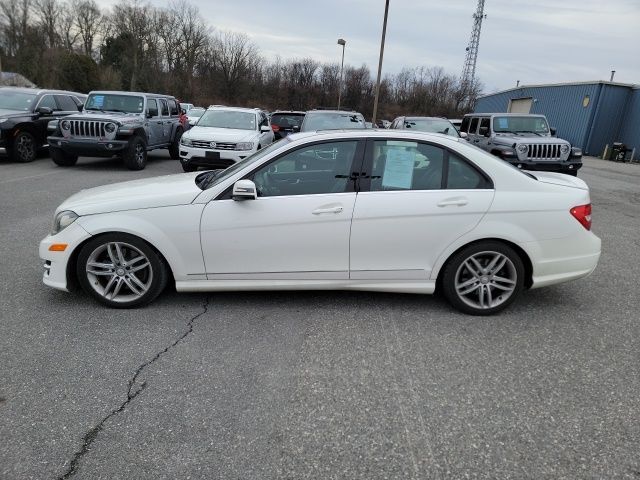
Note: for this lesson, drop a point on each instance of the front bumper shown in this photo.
(55, 262)
(202, 157)
(570, 165)
(88, 147)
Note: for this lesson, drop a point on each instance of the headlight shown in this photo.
(564, 149)
(244, 146)
(186, 141)
(110, 127)
(522, 148)
(65, 125)
(62, 220)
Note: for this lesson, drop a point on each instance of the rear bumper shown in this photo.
(88, 147)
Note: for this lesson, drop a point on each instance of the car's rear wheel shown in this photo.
(62, 159)
(135, 155)
(24, 148)
(121, 270)
(483, 278)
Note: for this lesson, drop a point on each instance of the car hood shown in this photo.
(178, 189)
(560, 179)
(509, 138)
(4, 113)
(211, 134)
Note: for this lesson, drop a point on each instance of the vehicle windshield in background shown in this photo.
(329, 121)
(114, 103)
(228, 119)
(431, 125)
(16, 101)
(287, 120)
(520, 125)
(196, 112)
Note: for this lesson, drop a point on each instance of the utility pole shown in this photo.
(384, 33)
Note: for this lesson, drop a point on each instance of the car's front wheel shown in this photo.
(24, 148)
(62, 159)
(483, 278)
(121, 270)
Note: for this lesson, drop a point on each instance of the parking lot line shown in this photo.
(30, 177)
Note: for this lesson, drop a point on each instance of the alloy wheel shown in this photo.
(486, 280)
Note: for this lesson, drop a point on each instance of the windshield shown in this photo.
(228, 119)
(114, 103)
(196, 112)
(22, 102)
(520, 125)
(329, 121)
(287, 120)
(210, 179)
(432, 125)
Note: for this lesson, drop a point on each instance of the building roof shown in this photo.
(566, 84)
(13, 79)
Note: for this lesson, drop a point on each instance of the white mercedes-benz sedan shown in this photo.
(388, 211)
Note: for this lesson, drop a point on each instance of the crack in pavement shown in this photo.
(92, 434)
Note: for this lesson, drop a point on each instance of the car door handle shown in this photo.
(319, 211)
(458, 202)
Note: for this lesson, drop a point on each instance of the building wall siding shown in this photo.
(630, 129)
(608, 119)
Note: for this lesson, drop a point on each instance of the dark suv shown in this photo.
(283, 123)
(25, 114)
(332, 120)
(426, 124)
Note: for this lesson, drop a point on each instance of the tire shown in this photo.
(573, 172)
(187, 167)
(174, 148)
(471, 288)
(121, 270)
(135, 155)
(24, 148)
(62, 159)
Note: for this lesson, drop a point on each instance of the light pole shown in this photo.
(341, 41)
(384, 32)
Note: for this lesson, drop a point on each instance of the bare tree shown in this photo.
(49, 13)
(234, 55)
(88, 21)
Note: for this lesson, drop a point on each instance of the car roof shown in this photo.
(346, 112)
(38, 91)
(504, 114)
(133, 94)
(236, 109)
(377, 133)
(416, 117)
(288, 112)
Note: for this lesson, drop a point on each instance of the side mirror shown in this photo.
(80, 107)
(244, 190)
(184, 112)
(265, 128)
(463, 135)
(553, 132)
(44, 110)
(296, 128)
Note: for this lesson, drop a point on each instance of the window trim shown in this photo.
(368, 164)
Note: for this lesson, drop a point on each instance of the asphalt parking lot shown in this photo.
(322, 385)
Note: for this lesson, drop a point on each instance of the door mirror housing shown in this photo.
(80, 107)
(244, 190)
(296, 128)
(553, 131)
(463, 135)
(44, 110)
(265, 128)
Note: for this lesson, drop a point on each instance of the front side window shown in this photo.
(228, 119)
(152, 107)
(109, 102)
(409, 165)
(66, 103)
(49, 102)
(315, 169)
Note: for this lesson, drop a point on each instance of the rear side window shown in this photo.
(461, 175)
(165, 107)
(173, 107)
(485, 123)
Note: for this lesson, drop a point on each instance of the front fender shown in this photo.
(173, 231)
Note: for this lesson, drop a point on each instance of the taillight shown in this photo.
(275, 128)
(582, 213)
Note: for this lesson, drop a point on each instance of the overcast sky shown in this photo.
(542, 41)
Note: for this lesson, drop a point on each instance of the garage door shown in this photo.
(520, 105)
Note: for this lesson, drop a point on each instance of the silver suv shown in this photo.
(127, 124)
(523, 140)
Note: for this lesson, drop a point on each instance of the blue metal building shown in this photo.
(588, 114)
